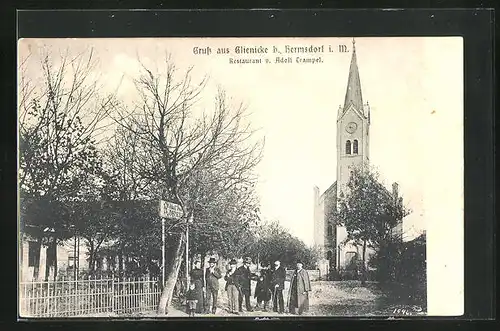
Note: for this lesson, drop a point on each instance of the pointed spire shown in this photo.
(353, 93)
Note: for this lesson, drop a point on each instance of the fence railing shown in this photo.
(314, 275)
(88, 297)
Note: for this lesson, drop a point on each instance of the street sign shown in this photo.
(170, 210)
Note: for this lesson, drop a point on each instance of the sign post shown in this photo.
(172, 211)
(163, 251)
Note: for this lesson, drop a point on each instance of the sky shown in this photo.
(414, 87)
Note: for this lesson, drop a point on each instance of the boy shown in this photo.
(191, 300)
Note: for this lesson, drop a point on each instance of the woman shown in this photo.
(299, 291)
(231, 289)
(262, 289)
(197, 279)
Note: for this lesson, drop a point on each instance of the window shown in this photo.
(348, 147)
(355, 147)
(33, 254)
(329, 255)
(330, 230)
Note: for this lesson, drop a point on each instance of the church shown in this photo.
(353, 142)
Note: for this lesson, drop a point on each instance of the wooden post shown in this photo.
(113, 293)
(162, 252)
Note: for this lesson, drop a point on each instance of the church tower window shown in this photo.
(330, 230)
(348, 147)
(355, 147)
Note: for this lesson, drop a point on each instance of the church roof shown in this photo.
(353, 94)
(331, 189)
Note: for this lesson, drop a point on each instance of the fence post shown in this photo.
(112, 293)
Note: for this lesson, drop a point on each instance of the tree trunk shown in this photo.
(120, 263)
(47, 263)
(50, 259)
(91, 258)
(363, 268)
(54, 255)
(36, 268)
(171, 277)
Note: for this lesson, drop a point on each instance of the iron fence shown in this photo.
(88, 297)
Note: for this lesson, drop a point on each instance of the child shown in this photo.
(191, 300)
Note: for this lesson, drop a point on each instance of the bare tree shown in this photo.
(60, 115)
(178, 143)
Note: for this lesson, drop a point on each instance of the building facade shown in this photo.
(353, 147)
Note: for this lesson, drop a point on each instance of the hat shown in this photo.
(212, 260)
(247, 260)
(299, 261)
(233, 261)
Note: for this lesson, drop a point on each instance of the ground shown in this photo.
(344, 298)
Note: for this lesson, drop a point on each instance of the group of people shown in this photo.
(202, 296)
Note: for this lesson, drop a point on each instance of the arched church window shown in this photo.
(355, 147)
(348, 147)
(329, 255)
(330, 230)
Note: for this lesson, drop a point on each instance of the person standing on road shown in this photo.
(196, 276)
(191, 300)
(244, 276)
(300, 286)
(278, 285)
(231, 289)
(212, 276)
(262, 289)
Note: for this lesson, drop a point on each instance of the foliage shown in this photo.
(59, 115)
(223, 216)
(271, 242)
(402, 262)
(368, 211)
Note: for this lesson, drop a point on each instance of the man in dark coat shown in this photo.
(212, 276)
(300, 286)
(278, 285)
(197, 279)
(231, 288)
(244, 276)
(262, 289)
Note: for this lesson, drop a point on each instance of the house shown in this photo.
(72, 255)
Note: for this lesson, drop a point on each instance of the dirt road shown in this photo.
(346, 298)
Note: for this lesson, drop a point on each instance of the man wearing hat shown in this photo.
(212, 276)
(244, 276)
(231, 287)
(278, 285)
(300, 286)
(263, 292)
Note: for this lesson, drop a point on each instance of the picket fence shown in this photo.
(88, 297)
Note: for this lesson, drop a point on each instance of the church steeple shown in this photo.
(353, 93)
